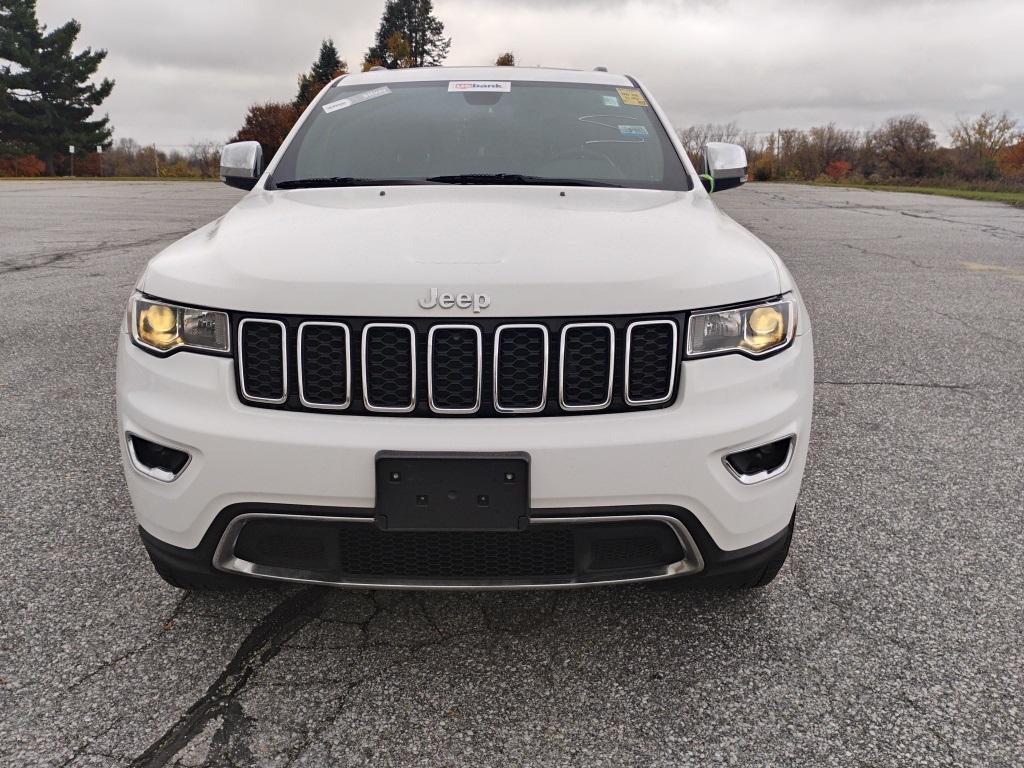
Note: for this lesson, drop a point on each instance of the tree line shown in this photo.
(985, 151)
(48, 101)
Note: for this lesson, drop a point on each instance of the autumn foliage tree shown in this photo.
(905, 146)
(981, 140)
(268, 124)
(507, 59)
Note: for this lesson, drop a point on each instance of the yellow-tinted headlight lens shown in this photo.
(163, 327)
(157, 325)
(766, 328)
(753, 330)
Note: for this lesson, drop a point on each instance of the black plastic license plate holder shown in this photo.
(452, 491)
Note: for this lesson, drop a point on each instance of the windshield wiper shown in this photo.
(343, 181)
(515, 178)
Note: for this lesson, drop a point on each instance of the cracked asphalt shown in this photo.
(891, 638)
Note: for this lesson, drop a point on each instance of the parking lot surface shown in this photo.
(892, 636)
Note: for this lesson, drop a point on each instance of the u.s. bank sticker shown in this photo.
(610, 101)
(359, 98)
(469, 86)
(632, 97)
(638, 131)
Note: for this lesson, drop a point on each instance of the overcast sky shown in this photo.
(186, 70)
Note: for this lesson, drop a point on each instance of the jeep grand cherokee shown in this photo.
(470, 328)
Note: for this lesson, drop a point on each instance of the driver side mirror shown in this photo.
(725, 166)
(241, 164)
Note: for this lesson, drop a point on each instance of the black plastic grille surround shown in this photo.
(388, 365)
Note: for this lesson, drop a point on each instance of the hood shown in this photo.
(530, 251)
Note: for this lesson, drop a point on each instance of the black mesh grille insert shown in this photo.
(368, 551)
(586, 365)
(520, 368)
(454, 368)
(651, 358)
(349, 551)
(324, 364)
(262, 363)
(388, 366)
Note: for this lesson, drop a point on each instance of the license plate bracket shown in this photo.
(452, 491)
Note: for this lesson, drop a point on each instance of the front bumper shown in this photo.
(661, 459)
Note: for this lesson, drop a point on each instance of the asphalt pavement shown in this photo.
(893, 636)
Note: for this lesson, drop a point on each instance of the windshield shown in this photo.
(482, 132)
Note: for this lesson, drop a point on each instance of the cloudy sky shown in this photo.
(187, 69)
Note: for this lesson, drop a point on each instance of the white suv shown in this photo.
(471, 328)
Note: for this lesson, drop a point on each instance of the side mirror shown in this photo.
(241, 164)
(725, 166)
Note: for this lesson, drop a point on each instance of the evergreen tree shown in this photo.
(327, 67)
(415, 23)
(46, 100)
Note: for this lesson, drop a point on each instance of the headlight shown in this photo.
(755, 330)
(164, 327)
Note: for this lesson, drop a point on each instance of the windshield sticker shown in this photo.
(610, 101)
(633, 130)
(632, 97)
(493, 86)
(359, 98)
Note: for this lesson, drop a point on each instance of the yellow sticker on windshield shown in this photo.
(632, 97)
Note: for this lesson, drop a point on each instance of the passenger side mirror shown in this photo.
(725, 166)
(241, 164)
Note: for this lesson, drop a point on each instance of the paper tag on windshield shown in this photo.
(632, 97)
(493, 86)
(633, 130)
(359, 98)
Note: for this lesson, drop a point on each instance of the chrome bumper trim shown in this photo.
(224, 558)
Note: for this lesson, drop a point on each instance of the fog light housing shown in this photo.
(762, 462)
(160, 462)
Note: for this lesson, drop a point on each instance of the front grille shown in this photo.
(421, 367)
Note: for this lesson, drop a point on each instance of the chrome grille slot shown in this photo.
(586, 366)
(454, 368)
(520, 368)
(389, 367)
(262, 370)
(651, 347)
(325, 370)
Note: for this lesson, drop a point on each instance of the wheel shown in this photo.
(756, 577)
(209, 582)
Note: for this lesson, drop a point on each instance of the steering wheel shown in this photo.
(584, 152)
